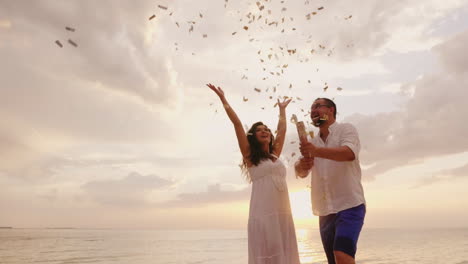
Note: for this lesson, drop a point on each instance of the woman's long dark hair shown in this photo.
(256, 152)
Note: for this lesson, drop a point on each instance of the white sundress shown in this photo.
(271, 233)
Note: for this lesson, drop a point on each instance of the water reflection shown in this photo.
(310, 247)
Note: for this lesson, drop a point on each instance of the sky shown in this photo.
(120, 130)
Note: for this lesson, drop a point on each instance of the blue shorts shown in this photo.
(340, 231)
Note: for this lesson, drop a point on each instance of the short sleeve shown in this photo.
(350, 138)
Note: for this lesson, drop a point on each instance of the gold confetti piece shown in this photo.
(245, 99)
(308, 16)
(325, 88)
(290, 85)
(72, 43)
(70, 29)
(162, 7)
(283, 9)
(201, 16)
(246, 28)
(170, 14)
(233, 33)
(191, 29)
(311, 134)
(205, 35)
(300, 99)
(211, 104)
(293, 119)
(58, 43)
(293, 142)
(314, 13)
(312, 51)
(339, 88)
(258, 52)
(151, 17)
(263, 108)
(177, 23)
(257, 90)
(271, 97)
(308, 81)
(320, 8)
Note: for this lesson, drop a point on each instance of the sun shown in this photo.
(300, 205)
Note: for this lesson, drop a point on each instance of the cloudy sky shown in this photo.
(121, 131)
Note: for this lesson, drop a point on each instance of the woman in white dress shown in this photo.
(271, 233)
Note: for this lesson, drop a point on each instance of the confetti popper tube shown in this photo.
(301, 131)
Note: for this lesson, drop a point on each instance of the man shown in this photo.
(337, 193)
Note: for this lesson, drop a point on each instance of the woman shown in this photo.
(271, 233)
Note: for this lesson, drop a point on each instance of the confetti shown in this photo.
(162, 7)
(320, 8)
(72, 43)
(58, 43)
(233, 33)
(311, 134)
(339, 89)
(245, 99)
(151, 17)
(70, 29)
(257, 90)
(246, 27)
(205, 35)
(325, 88)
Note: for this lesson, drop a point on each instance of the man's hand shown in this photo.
(303, 166)
(308, 150)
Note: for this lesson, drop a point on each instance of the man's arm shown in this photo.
(343, 153)
(303, 166)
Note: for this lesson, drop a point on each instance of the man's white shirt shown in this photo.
(336, 185)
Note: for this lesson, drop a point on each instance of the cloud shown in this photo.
(429, 124)
(111, 49)
(212, 195)
(129, 191)
(443, 176)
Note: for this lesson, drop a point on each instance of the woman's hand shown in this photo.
(217, 90)
(282, 105)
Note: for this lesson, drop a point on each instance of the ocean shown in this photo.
(112, 246)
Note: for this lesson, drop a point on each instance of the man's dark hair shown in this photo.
(330, 103)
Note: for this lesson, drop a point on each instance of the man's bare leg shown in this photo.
(343, 258)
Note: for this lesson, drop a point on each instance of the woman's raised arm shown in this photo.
(280, 137)
(240, 133)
